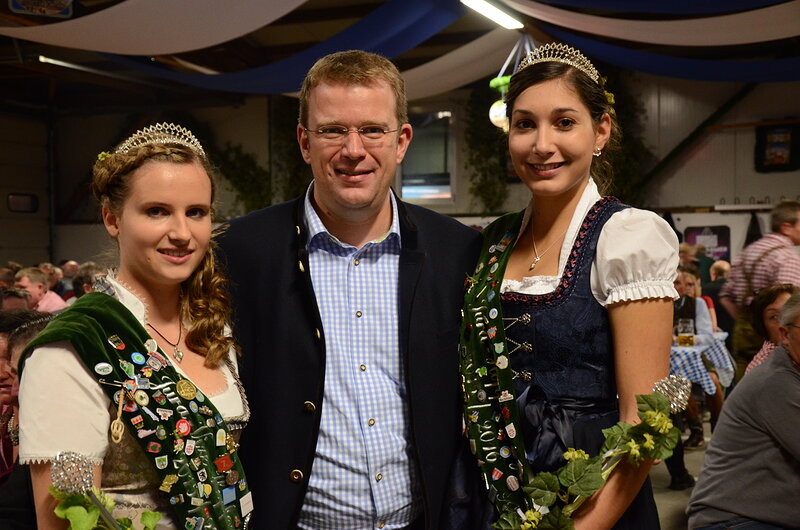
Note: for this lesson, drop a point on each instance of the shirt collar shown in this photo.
(780, 237)
(317, 230)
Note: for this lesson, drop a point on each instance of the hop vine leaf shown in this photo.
(508, 521)
(582, 477)
(543, 489)
(555, 520)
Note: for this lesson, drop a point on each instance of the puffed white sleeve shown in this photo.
(637, 258)
(62, 407)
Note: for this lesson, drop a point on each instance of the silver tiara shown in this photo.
(560, 53)
(162, 133)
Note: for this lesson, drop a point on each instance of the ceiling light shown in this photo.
(492, 13)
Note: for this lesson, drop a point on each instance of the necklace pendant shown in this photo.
(534, 263)
(178, 354)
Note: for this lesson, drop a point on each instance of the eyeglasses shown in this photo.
(370, 134)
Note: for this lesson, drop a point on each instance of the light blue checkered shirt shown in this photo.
(363, 474)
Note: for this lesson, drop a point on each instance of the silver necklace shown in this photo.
(538, 257)
(177, 353)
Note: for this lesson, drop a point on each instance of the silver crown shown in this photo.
(162, 133)
(560, 53)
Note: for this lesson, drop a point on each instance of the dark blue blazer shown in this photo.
(278, 326)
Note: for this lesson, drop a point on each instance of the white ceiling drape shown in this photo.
(480, 58)
(775, 22)
(158, 27)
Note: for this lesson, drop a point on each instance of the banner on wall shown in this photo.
(716, 240)
(777, 148)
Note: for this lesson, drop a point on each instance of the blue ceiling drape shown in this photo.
(758, 71)
(391, 29)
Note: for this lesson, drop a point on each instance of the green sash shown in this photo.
(178, 428)
(490, 407)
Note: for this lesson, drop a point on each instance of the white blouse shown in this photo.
(636, 258)
(64, 408)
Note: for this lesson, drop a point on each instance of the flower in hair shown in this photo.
(103, 155)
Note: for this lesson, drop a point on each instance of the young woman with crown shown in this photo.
(135, 386)
(568, 316)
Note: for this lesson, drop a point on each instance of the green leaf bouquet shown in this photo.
(552, 498)
(83, 514)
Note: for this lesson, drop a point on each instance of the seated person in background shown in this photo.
(688, 306)
(17, 328)
(64, 288)
(692, 286)
(42, 298)
(9, 320)
(766, 312)
(750, 476)
(687, 255)
(704, 263)
(53, 274)
(14, 298)
(84, 279)
(6, 277)
(16, 499)
(719, 275)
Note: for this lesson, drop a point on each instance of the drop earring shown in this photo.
(597, 151)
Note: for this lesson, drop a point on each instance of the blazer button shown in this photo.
(296, 475)
(318, 333)
(309, 407)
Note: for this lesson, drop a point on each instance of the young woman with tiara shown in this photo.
(138, 379)
(569, 314)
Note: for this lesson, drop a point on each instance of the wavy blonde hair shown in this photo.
(205, 302)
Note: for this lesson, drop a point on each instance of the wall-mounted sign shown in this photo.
(716, 239)
(777, 148)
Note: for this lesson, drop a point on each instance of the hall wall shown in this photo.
(718, 168)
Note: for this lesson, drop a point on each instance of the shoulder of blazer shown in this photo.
(275, 222)
(434, 225)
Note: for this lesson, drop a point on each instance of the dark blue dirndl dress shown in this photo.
(564, 348)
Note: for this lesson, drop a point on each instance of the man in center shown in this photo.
(346, 306)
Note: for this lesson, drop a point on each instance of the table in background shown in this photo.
(688, 362)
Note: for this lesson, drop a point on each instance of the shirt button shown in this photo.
(356, 262)
(371, 422)
(363, 368)
(309, 407)
(358, 314)
(378, 477)
(296, 475)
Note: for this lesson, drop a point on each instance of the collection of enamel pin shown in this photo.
(151, 410)
(491, 414)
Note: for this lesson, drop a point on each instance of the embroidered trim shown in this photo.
(566, 285)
